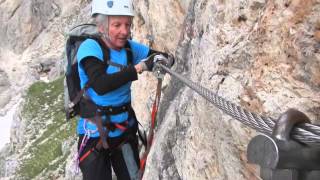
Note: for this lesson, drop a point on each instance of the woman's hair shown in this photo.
(101, 20)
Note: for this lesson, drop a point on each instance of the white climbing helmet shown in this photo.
(112, 7)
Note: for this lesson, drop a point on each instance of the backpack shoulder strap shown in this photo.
(106, 54)
(129, 53)
(105, 51)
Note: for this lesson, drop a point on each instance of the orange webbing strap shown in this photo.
(154, 112)
(121, 127)
(85, 155)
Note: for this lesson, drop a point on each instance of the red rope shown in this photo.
(154, 112)
(86, 155)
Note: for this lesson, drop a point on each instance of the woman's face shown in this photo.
(119, 30)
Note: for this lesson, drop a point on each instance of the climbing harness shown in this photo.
(103, 128)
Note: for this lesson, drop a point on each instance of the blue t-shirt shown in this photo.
(117, 97)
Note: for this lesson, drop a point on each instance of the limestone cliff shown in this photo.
(263, 55)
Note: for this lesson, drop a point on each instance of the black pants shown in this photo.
(124, 160)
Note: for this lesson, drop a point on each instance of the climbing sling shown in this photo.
(154, 112)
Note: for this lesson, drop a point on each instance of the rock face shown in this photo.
(4, 88)
(33, 35)
(262, 55)
(26, 17)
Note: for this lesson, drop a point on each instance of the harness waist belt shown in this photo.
(112, 110)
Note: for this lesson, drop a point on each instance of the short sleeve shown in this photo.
(89, 48)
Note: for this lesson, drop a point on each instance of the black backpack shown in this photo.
(72, 90)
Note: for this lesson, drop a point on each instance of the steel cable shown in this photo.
(305, 133)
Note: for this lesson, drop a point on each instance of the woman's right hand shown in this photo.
(148, 63)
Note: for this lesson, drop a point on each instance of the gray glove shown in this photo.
(165, 59)
(148, 63)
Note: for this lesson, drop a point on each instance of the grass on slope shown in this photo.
(46, 129)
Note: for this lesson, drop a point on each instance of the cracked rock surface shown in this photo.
(261, 55)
